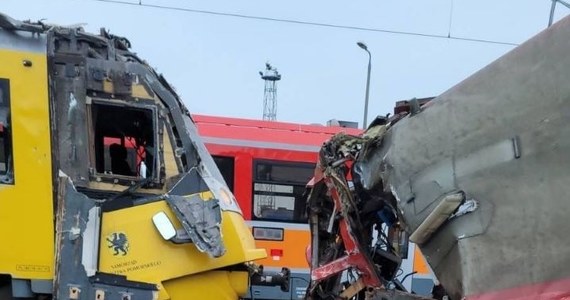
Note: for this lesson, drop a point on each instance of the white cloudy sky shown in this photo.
(213, 61)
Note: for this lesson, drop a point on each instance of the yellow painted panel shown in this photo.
(217, 285)
(170, 167)
(149, 258)
(294, 247)
(108, 87)
(26, 208)
(139, 91)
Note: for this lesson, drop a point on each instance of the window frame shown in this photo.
(310, 166)
(156, 179)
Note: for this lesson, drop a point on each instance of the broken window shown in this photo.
(6, 159)
(124, 140)
(226, 166)
(278, 189)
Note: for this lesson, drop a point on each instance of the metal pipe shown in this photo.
(365, 122)
(365, 118)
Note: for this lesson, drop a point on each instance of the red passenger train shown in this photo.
(267, 166)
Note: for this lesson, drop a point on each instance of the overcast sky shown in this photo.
(213, 61)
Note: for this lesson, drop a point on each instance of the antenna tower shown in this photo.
(271, 76)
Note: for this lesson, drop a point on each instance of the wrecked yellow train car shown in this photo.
(106, 190)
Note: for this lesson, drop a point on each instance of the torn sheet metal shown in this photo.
(72, 279)
(201, 220)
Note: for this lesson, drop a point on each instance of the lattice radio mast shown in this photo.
(271, 76)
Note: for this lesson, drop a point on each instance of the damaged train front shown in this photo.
(134, 166)
(357, 236)
(141, 210)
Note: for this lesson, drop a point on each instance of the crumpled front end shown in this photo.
(353, 227)
(479, 176)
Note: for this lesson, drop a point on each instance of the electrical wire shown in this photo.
(408, 275)
(309, 23)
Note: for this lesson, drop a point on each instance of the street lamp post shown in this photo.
(363, 46)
